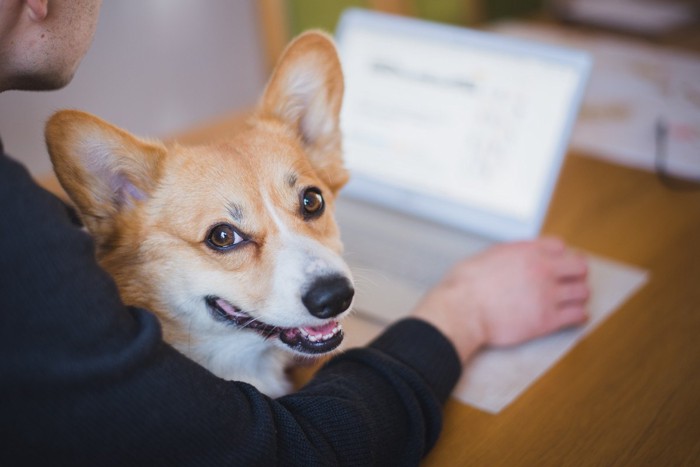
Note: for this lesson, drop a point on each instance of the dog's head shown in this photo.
(234, 235)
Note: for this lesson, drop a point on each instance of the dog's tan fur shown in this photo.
(150, 207)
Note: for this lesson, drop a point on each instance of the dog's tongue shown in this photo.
(321, 330)
(228, 308)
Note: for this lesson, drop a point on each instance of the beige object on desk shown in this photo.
(635, 89)
(494, 378)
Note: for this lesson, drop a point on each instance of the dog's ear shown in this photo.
(306, 92)
(103, 169)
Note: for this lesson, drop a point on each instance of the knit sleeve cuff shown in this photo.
(421, 346)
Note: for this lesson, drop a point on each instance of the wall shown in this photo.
(155, 66)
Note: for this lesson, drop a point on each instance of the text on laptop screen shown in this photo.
(474, 126)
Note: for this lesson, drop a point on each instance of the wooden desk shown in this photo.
(629, 393)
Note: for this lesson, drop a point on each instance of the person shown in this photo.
(86, 380)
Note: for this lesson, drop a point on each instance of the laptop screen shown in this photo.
(463, 127)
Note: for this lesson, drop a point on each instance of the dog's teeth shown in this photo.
(313, 336)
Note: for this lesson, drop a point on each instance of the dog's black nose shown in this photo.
(328, 296)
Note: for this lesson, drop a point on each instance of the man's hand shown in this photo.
(509, 294)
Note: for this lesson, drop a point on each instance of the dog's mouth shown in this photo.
(305, 339)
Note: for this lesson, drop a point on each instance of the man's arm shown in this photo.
(85, 380)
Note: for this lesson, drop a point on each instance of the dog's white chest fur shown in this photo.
(243, 358)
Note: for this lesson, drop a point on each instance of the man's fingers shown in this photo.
(571, 313)
(573, 291)
(552, 244)
(571, 265)
(567, 262)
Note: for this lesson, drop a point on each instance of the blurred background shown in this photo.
(157, 67)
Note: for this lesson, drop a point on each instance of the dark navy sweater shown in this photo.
(86, 380)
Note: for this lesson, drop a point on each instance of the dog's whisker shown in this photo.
(361, 279)
(252, 321)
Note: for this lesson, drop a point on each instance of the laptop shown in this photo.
(454, 139)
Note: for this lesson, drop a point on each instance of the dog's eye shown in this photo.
(312, 203)
(223, 237)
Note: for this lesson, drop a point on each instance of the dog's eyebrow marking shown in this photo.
(273, 213)
(235, 211)
(292, 179)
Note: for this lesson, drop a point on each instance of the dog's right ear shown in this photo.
(306, 92)
(103, 169)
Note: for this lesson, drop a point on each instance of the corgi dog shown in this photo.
(233, 244)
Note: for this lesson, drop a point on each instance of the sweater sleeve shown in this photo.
(85, 380)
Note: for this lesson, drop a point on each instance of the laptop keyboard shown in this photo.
(407, 262)
(413, 250)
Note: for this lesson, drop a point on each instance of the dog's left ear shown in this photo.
(104, 169)
(306, 92)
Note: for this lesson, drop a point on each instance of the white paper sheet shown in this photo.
(635, 89)
(496, 377)
(645, 16)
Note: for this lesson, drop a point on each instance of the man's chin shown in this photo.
(40, 82)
